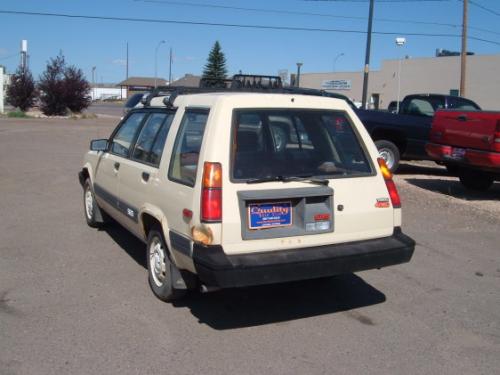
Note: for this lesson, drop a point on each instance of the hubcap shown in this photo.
(157, 261)
(89, 204)
(387, 156)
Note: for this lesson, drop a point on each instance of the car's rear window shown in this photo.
(296, 143)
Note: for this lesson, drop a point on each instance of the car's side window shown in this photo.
(464, 104)
(184, 161)
(124, 137)
(420, 107)
(152, 137)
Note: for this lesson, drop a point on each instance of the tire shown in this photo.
(160, 268)
(452, 169)
(475, 180)
(94, 216)
(390, 153)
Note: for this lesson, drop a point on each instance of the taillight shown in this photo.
(391, 186)
(496, 137)
(211, 193)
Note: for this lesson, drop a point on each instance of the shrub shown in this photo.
(17, 114)
(76, 90)
(63, 87)
(21, 93)
(51, 86)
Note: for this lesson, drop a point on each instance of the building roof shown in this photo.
(189, 80)
(143, 81)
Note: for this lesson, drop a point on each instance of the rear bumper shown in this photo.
(487, 160)
(215, 268)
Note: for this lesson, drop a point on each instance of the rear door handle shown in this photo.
(462, 118)
(117, 166)
(145, 176)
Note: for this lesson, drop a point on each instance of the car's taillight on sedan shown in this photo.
(389, 182)
(211, 193)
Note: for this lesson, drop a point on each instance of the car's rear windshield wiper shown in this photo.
(314, 180)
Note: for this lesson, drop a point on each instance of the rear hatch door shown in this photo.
(301, 178)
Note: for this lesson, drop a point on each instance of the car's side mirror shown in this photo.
(99, 145)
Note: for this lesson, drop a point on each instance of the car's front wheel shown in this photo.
(94, 216)
(160, 268)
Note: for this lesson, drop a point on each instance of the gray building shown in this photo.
(439, 75)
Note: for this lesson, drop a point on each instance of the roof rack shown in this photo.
(243, 81)
(239, 83)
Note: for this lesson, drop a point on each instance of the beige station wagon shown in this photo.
(232, 189)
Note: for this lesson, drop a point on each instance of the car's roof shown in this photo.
(248, 99)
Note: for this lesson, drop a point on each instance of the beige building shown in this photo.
(438, 75)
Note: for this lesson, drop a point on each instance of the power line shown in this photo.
(9, 56)
(379, 1)
(291, 12)
(233, 25)
(484, 8)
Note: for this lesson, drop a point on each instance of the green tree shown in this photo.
(21, 92)
(215, 69)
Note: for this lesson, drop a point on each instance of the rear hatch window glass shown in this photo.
(278, 144)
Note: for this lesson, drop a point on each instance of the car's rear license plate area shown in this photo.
(269, 215)
(457, 153)
(286, 212)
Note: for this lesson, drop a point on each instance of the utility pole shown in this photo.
(93, 83)
(367, 56)
(299, 64)
(463, 55)
(126, 69)
(170, 68)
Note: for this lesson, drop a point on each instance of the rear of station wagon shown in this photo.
(257, 188)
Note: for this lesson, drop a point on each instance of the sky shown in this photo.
(86, 43)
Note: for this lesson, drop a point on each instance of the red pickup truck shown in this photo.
(468, 144)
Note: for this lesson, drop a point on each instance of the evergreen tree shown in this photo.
(63, 87)
(215, 69)
(76, 89)
(51, 86)
(21, 93)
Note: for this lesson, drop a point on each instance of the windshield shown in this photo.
(295, 143)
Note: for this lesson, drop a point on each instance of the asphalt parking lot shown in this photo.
(75, 300)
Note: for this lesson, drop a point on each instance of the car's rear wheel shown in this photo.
(94, 216)
(160, 268)
(452, 169)
(475, 180)
(390, 153)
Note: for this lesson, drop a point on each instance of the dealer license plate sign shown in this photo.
(269, 215)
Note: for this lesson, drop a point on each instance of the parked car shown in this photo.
(393, 106)
(133, 101)
(236, 189)
(404, 135)
(468, 143)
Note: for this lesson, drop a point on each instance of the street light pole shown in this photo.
(156, 60)
(336, 58)
(299, 64)
(399, 42)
